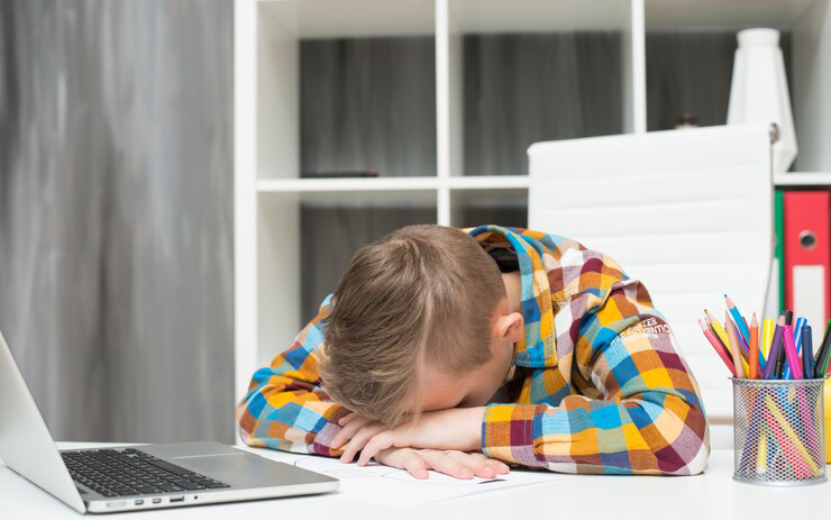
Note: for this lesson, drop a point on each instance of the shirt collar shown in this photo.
(537, 347)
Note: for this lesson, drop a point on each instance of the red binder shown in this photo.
(808, 256)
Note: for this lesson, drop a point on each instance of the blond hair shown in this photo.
(422, 295)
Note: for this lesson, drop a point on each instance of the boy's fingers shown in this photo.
(346, 419)
(377, 443)
(480, 468)
(348, 431)
(359, 440)
(442, 463)
(416, 466)
(499, 467)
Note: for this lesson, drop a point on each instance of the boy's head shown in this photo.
(420, 322)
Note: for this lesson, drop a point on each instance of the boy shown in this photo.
(463, 352)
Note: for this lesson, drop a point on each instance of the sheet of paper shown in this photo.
(393, 488)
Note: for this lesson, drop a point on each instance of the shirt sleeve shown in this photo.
(285, 407)
(640, 410)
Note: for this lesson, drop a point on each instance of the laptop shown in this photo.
(135, 477)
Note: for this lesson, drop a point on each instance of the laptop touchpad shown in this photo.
(231, 462)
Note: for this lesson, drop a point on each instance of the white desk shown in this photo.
(710, 496)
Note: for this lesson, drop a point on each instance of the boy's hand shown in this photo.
(454, 429)
(454, 463)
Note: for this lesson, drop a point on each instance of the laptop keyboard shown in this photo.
(127, 472)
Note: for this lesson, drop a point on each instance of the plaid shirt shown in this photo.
(597, 383)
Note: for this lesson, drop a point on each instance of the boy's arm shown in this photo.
(285, 407)
(651, 420)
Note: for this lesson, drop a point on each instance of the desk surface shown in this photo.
(704, 497)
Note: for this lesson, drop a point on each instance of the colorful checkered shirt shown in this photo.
(597, 383)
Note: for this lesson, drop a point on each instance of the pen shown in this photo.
(790, 352)
(807, 352)
(824, 352)
(797, 339)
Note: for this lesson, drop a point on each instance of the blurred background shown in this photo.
(116, 215)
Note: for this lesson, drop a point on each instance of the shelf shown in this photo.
(802, 179)
(524, 16)
(733, 14)
(339, 19)
(383, 184)
(339, 185)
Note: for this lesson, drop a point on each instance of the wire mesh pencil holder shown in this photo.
(778, 431)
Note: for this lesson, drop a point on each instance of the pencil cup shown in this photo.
(778, 431)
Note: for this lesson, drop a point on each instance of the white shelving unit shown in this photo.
(269, 192)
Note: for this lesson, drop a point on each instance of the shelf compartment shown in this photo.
(503, 207)
(338, 90)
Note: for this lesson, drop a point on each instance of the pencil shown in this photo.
(722, 335)
(775, 347)
(741, 325)
(713, 322)
(754, 348)
(734, 342)
(807, 352)
(790, 352)
(788, 317)
(711, 337)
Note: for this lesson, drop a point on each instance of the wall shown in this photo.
(116, 214)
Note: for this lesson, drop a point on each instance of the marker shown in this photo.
(807, 352)
(734, 342)
(775, 349)
(790, 352)
(754, 348)
(821, 365)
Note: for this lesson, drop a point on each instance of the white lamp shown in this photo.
(759, 91)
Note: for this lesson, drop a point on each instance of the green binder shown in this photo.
(779, 247)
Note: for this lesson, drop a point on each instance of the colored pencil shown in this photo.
(767, 336)
(734, 343)
(807, 352)
(775, 346)
(717, 328)
(790, 352)
(745, 349)
(778, 424)
(754, 348)
(741, 325)
(788, 317)
(711, 337)
(722, 335)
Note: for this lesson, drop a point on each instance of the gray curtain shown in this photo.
(116, 214)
